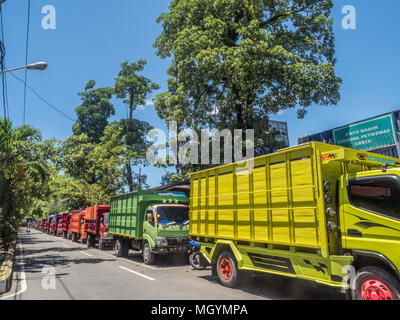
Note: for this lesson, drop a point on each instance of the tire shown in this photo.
(126, 247)
(197, 261)
(101, 245)
(65, 235)
(119, 247)
(373, 283)
(90, 241)
(148, 256)
(227, 270)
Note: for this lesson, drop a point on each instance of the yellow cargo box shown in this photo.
(275, 199)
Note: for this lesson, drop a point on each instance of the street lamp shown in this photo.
(33, 66)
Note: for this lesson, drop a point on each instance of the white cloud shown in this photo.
(148, 103)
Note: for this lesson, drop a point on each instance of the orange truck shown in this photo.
(96, 226)
(77, 226)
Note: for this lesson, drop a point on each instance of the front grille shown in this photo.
(177, 241)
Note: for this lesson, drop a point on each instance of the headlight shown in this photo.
(161, 242)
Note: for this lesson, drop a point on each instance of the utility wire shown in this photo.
(2, 55)
(38, 95)
(26, 54)
(4, 78)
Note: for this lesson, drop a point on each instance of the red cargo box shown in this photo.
(92, 218)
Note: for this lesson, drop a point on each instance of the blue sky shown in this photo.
(92, 38)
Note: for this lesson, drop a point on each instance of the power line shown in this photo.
(38, 95)
(4, 78)
(26, 54)
(2, 55)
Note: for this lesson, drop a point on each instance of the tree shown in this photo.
(236, 62)
(77, 161)
(133, 88)
(94, 111)
(124, 143)
(23, 173)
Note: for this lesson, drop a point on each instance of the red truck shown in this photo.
(55, 224)
(63, 226)
(77, 226)
(43, 225)
(49, 223)
(96, 226)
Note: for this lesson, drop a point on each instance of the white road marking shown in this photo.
(130, 261)
(63, 244)
(137, 273)
(24, 286)
(86, 253)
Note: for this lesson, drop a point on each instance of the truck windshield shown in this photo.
(178, 215)
(377, 194)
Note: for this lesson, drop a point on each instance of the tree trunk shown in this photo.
(129, 176)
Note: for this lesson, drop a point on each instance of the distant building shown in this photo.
(380, 134)
(282, 128)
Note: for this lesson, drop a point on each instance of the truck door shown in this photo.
(370, 214)
(149, 225)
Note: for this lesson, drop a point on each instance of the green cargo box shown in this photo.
(127, 213)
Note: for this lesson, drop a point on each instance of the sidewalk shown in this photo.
(6, 267)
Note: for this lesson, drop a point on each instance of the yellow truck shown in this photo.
(316, 211)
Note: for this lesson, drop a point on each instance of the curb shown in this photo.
(6, 269)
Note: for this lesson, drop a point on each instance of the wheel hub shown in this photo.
(375, 290)
(225, 267)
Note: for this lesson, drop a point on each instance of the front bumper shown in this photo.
(108, 240)
(172, 249)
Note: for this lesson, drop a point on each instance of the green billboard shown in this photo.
(367, 135)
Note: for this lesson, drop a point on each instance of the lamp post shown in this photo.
(33, 66)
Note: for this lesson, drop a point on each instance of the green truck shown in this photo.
(316, 211)
(154, 222)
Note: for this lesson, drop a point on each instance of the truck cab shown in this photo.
(167, 230)
(369, 225)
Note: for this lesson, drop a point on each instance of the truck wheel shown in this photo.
(227, 270)
(90, 242)
(126, 247)
(119, 248)
(65, 235)
(148, 256)
(372, 283)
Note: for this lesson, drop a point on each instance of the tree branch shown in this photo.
(270, 20)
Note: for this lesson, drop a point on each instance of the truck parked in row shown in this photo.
(153, 222)
(63, 225)
(49, 223)
(96, 226)
(77, 226)
(315, 211)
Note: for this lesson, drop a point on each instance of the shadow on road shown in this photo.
(281, 288)
(162, 261)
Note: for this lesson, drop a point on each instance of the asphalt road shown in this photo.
(51, 268)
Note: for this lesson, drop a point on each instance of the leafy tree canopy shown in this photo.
(94, 111)
(235, 62)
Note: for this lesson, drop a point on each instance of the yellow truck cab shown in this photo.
(319, 212)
